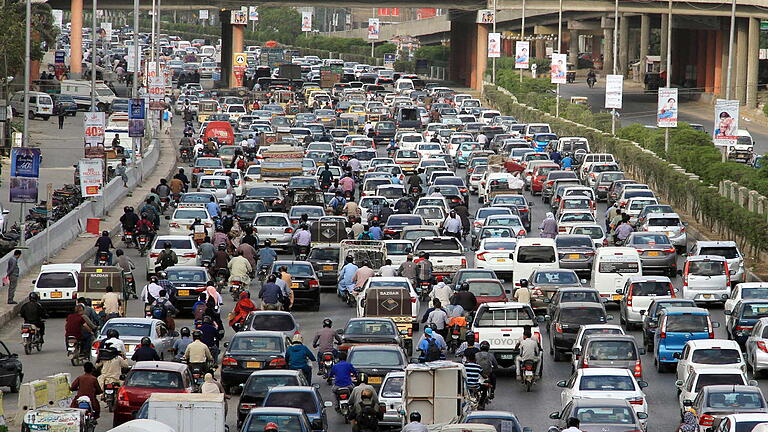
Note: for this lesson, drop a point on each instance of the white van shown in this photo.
(611, 269)
(207, 51)
(532, 254)
(80, 90)
(404, 85)
(40, 105)
(57, 286)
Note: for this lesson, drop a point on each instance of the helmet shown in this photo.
(207, 319)
(523, 282)
(145, 341)
(267, 243)
(222, 246)
(33, 296)
(465, 286)
(167, 245)
(184, 331)
(415, 416)
(162, 275)
(362, 377)
(469, 337)
(113, 334)
(271, 426)
(126, 209)
(327, 323)
(297, 338)
(197, 334)
(485, 346)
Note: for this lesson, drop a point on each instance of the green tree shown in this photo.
(281, 24)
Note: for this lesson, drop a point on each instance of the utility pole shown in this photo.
(615, 57)
(669, 67)
(559, 45)
(136, 65)
(93, 60)
(493, 60)
(731, 48)
(522, 33)
(27, 73)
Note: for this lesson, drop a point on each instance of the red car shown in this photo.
(146, 378)
(487, 290)
(540, 175)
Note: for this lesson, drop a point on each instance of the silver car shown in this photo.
(669, 224)
(727, 249)
(132, 330)
(275, 227)
(605, 415)
(756, 352)
(221, 186)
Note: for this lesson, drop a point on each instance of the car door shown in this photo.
(732, 299)
(682, 363)
(752, 342)
(732, 318)
(9, 364)
(567, 394)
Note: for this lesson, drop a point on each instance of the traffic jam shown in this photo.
(389, 253)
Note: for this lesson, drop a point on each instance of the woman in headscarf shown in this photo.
(210, 385)
(243, 307)
(211, 291)
(548, 227)
(689, 422)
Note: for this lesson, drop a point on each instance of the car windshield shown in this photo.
(302, 400)
(594, 232)
(56, 280)
(400, 220)
(719, 379)
(273, 322)
(260, 385)
(175, 275)
(735, 399)
(605, 415)
(393, 387)
(285, 423)
(556, 278)
(486, 289)
(536, 254)
(298, 269)
(725, 252)
(687, 323)
(716, 356)
(399, 248)
(154, 379)
(706, 268)
(489, 317)
(190, 214)
(271, 221)
(606, 383)
(483, 213)
(128, 328)
(372, 358)
(440, 245)
(647, 288)
(611, 350)
(256, 345)
(585, 315)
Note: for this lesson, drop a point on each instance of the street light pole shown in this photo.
(522, 34)
(493, 59)
(25, 114)
(136, 65)
(559, 48)
(615, 56)
(93, 58)
(669, 67)
(723, 149)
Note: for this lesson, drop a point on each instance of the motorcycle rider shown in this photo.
(363, 274)
(488, 362)
(326, 177)
(356, 398)
(342, 373)
(591, 77)
(151, 291)
(103, 245)
(473, 371)
(145, 352)
(207, 251)
(299, 357)
(111, 362)
(162, 189)
(529, 350)
(240, 269)
(180, 345)
(164, 310)
(146, 227)
(183, 177)
(424, 270)
(325, 339)
(415, 424)
(302, 240)
(266, 255)
(404, 205)
(128, 220)
(210, 335)
(197, 353)
(80, 327)
(623, 230)
(113, 339)
(465, 298)
(346, 276)
(34, 313)
(167, 257)
(408, 269)
(523, 294)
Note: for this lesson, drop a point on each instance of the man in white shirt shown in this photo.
(442, 292)
(573, 425)
(388, 270)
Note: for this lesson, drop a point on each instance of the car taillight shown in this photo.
(313, 283)
(173, 225)
(481, 256)
(389, 231)
(706, 420)
(228, 361)
(288, 230)
(189, 255)
(638, 372)
(523, 210)
(246, 406)
(636, 401)
(761, 346)
(122, 397)
(278, 363)
(521, 233)
(95, 345)
(154, 255)
(463, 262)
(343, 396)
(558, 327)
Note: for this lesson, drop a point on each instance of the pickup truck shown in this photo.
(280, 163)
(501, 324)
(445, 253)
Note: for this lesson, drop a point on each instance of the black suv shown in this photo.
(565, 322)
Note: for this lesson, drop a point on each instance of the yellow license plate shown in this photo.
(375, 380)
(208, 172)
(327, 268)
(653, 253)
(128, 348)
(616, 297)
(501, 260)
(55, 294)
(253, 365)
(182, 292)
(707, 296)
(573, 256)
(295, 285)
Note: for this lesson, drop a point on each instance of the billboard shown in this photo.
(614, 88)
(374, 29)
(486, 16)
(306, 21)
(136, 116)
(558, 69)
(726, 122)
(666, 115)
(91, 177)
(253, 13)
(522, 48)
(25, 162)
(494, 45)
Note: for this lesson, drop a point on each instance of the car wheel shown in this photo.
(659, 366)
(16, 384)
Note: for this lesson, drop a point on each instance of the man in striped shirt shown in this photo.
(473, 371)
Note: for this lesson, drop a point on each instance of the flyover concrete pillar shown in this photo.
(623, 59)
(460, 61)
(752, 61)
(573, 47)
(607, 51)
(634, 45)
(645, 37)
(480, 55)
(741, 59)
(238, 46)
(724, 50)
(711, 56)
(541, 48)
(76, 39)
(232, 40)
(663, 43)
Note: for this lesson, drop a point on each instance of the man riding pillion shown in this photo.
(111, 362)
(529, 349)
(197, 353)
(346, 276)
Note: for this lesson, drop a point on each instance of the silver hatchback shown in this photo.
(275, 227)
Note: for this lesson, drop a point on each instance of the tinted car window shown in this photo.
(371, 358)
(612, 350)
(650, 288)
(276, 322)
(716, 356)
(608, 415)
(259, 386)
(256, 345)
(564, 242)
(687, 323)
(740, 399)
(582, 315)
(606, 383)
(718, 379)
(301, 400)
(128, 329)
(156, 379)
(285, 423)
(486, 289)
(56, 280)
(536, 254)
(726, 252)
(175, 243)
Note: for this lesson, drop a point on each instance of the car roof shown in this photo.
(711, 243)
(254, 333)
(304, 389)
(633, 279)
(580, 305)
(388, 278)
(276, 372)
(135, 320)
(604, 371)
(178, 267)
(160, 365)
(375, 348)
(712, 343)
(505, 305)
(491, 414)
(686, 310)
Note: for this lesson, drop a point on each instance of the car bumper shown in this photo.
(706, 296)
(279, 241)
(659, 263)
(581, 267)
(506, 359)
(231, 377)
(633, 316)
(667, 356)
(58, 305)
(328, 277)
(496, 267)
(760, 360)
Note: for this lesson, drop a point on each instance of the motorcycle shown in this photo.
(327, 360)
(303, 252)
(342, 402)
(30, 336)
(454, 340)
(481, 393)
(129, 285)
(110, 394)
(528, 370)
(164, 203)
(142, 240)
(198, 375)
(262, 273)
(222, 277)
(76, 352)
(424, 288)
(102, 259)
(235, 288)
(368, 418)
(128, 239)
(89, 417)
(591, 81)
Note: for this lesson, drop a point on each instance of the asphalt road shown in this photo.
(531, 408)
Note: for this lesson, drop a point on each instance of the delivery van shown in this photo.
(222, 131)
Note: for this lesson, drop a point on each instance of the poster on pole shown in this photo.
(25, 162)
(306, 21)
(485, 16)
(23, 190)
(614, 88)
(107, 27)
(58, 17)
(136, 116)
(726, 122)
(494, 45)
(156, 93)
(666, 115)
(558, 70)
(238, 17)
(389, 60)
(522, 49)
(93, 124)
(374, 29)
(203, 14)
(91, 177)
(253, 13)
(239, 64)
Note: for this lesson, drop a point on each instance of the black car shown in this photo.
(366, 331)
(565, 323)
(376, 361)
(384, 131)
(451, 193)
(325, 261)
(271, 196)
(258, 384)
(396, 223)
(246, 210)
(249, 351)
(305, 284)
(189, 282)
(651, 317)
(454, 181)
(571, 295)
(65, 101)
(11, 374)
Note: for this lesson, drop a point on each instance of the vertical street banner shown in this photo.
(238, 17)
(93, 127)
(23, 190)
(136, 116)
(25, 170)
(203, 14)
(130, 60)
(107, 27)
(494, 45)
(666, 114)
(726, 122)
(91, 177)
(374, 29)
(522, 48)
(614, 89)
(58, 17)
(306, 21)
(156, 93)
(239, 64)
(485, 16)
(253, 13)
(558, 69)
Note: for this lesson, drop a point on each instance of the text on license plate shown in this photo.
(327, 267)
(573, 256)
(25, 335)
(501, 259)
(183, 292)
(653, 253)
(616, 297)
(253, 365)
(507, 356)
(295, 285)
(55, 294)
(528, 373)
(374, 380)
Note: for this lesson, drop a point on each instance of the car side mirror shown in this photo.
(679, 383)
(642, 415)
(576, 351)
(715, 325)
(583, 281)
(609, 317)
(554, 415)
(619, 291)
(508, 291)
(725, 296)
(642, 384)
(643, 312)
(752, 383)
(562, 383)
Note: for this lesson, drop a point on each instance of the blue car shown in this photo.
(743, 317)
(541, 140)
(287, 419)
(305, 398)
(678, 325)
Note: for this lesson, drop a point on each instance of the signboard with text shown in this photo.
(614, 89)
(330, 75)
(91, 177)
(666, 115)
(136, 116)
(725, 132)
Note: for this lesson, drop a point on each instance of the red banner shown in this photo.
(425, 13)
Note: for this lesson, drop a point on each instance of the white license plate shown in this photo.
(507, 356)
(25, 335)
(109, 391)
(528, 373)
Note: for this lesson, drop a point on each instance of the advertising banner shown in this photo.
(253, 13)
(203, 14)
(136, 116)
(107, 27)
(614, 88)
(238, 17)
(239, 64)
(374, 29)
(558, 69)
(91, 177)
(58, 17)
(94, 123)
(726, 122)
(485, 16)
(494, 45)
(666, 116)
(522, 49)
(23, 190)
(306, 21)
(389, 60)
(156, 93)
(25, 162)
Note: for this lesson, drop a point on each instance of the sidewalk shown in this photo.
(83, 247)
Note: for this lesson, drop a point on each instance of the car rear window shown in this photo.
(575, 241)
(393, 387)
(128, 328)
(594, 232)
(301, 400)
(731, 399)
(687, 323)
(499, 245)
(488, 317)
(605, 415)
(449, 245)
(271, 221)
(56, 280)
(647, 288)
(584, 315)
(754, 293)
(718, 379)
(214, 183)
(273, 322)
(483, 213)
(716, 356)
(190, 214)
(611, 350)
(666, 221)
(755, 311)
(535, 254)
(556, 277)
(726, 252)
(706, 268)
(404, 220)
(175, 243)
(256, 345)
(606, 383)
(262, 192)
(286, 423)
(486, 289)
(154, 379)
(372, 358)
(259, 386)
(579, 296)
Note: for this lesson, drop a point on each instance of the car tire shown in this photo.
(659, 366)
(16, 384)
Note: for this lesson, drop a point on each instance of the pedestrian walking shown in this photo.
(61, 113)
(12, 275)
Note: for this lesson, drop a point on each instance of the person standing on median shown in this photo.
(12, 275)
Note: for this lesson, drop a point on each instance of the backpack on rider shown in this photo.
(159, 311)
(433, 351)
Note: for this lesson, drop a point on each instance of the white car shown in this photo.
(433, 215)
(636, 205)
(391, 395)
(393, 282)
(592, 329)
(182, 245)
(221, 186)
(495, 253)
(571, 218)
(594, 231)
(440, 201)
(511, 220)
(180, 222)
(698, 378)
(409, 141)
(608, 383)
(709, 353)
(426, 150)
(237, 178)
(741, 422)
(252, 176)
(746, 290)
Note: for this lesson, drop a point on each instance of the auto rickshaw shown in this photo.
(394, 303)
(205, 109)
(95, 280)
